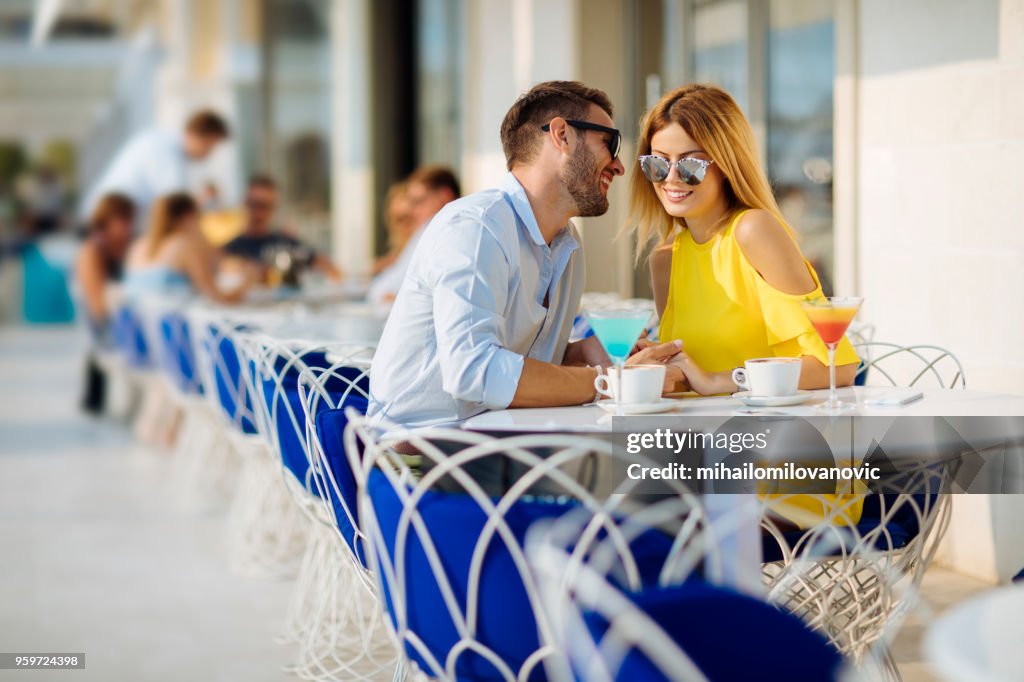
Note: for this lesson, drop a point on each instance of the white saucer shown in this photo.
(771, 400)
(663, 405)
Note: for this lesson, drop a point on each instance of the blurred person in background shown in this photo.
(260, 242)
(43, 196)
(155, 163)
(428, 190)
(173, 257)
(100, 261)
(400, 224)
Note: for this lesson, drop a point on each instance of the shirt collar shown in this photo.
(521, 205)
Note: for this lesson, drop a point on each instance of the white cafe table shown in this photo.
(740, 513)
(590, 418)
(353, 323)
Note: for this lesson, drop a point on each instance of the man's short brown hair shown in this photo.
(437, 177)
(207, 123)
(521, 129)
(261, 180)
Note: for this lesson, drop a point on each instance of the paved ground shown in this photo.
(94, 555)
(96, 558)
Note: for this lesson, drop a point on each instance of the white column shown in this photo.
(844, 143)
(352, 210)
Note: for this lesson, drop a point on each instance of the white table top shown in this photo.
(590, 418)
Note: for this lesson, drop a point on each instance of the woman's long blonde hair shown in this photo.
(712, 118)
(167, 217)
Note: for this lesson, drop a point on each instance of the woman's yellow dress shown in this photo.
(726, 313)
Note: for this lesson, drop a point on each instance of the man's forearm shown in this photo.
(545, 385)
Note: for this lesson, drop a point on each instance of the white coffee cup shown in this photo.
(641, 384)
(768, 377)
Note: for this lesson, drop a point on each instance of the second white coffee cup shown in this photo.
(769, 377)
(641, 384)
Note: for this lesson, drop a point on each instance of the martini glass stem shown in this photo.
(832, 400)
(618, 387)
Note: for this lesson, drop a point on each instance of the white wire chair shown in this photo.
(686, 630)
(347, 638)
(891, 364)
(154, 420)
(445, 525)
(852, 574)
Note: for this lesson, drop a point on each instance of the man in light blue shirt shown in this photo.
(482, 319)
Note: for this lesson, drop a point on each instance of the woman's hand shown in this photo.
(661, 354)
(699, 379)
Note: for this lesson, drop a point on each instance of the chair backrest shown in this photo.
(274, 369)
(130, 337)
(687, 632)
(326, 417)
(889, 364)
(843, 575)
(446, 522)
(220, 366)
(177, 352)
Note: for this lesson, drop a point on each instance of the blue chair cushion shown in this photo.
(728, 635)
(505, 619)
(330, 429)
(231, 388)
(178, 358)
(291, 441)
(130, 338)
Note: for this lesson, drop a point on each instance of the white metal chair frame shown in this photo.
(338, 609)
(572, 585)
(155, 419)
(612, 517)
(877, 358)
(267, 530)
(854, 587)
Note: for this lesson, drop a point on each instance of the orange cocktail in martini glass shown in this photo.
(831, 316)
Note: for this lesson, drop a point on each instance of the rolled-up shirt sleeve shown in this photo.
(470, 287)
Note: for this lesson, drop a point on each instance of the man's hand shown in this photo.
(588, 351)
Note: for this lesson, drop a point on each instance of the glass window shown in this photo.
(801, 68)
(787, 95)
(720, 47)
(440, 63)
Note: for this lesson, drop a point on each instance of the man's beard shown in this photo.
(580, 183)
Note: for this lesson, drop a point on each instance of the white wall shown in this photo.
(940, 210)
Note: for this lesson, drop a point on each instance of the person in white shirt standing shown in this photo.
(155, 163)
(482, 318)
(428, 190)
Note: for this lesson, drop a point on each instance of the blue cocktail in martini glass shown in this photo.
(618, 330)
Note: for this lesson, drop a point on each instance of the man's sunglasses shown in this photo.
(691, 171)
(614, 142)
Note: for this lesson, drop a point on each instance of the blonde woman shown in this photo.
(728, 274)
(173, 257)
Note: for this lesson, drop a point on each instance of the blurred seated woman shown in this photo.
(100, 262)
(173, 257)
(400, 223)
(728, 273)
(101, 258)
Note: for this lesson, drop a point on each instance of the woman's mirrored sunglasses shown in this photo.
(691, 171)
